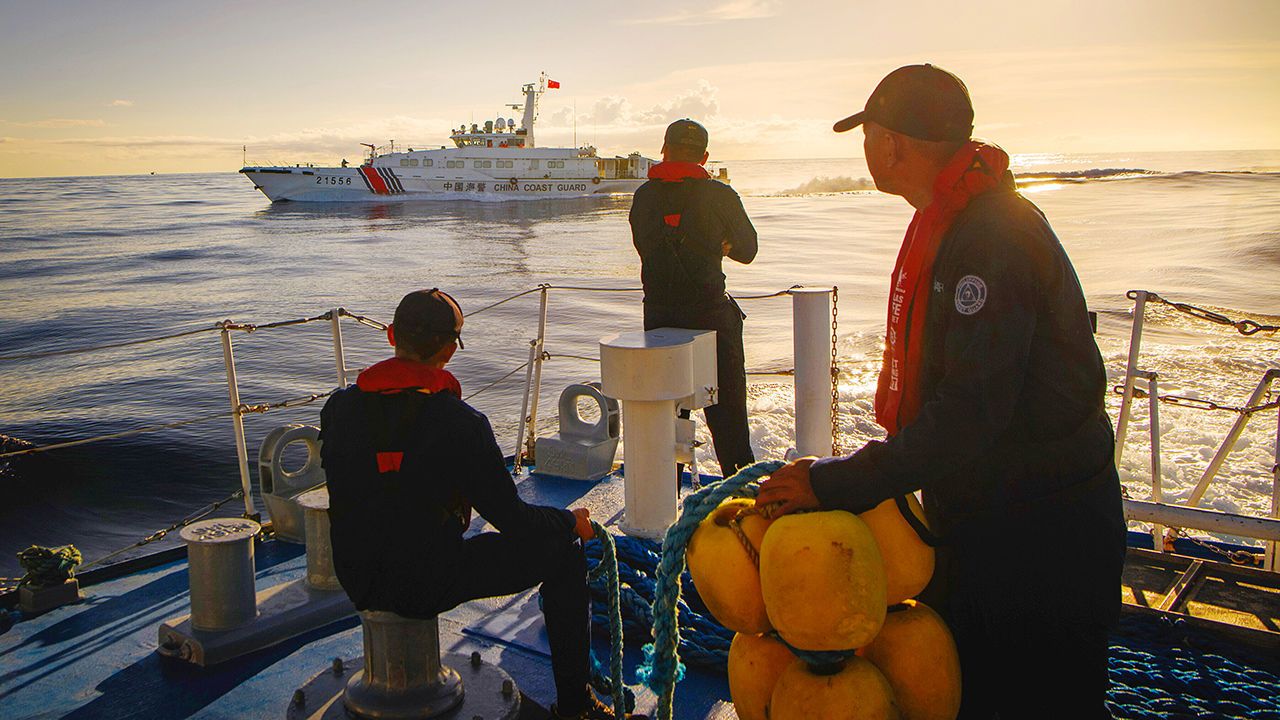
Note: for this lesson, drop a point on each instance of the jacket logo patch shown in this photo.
(971, 294)
(390, 461)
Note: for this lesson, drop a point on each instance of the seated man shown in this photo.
(406, 461)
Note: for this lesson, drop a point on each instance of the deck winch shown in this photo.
(402, 676)
(280, 486)
(582, 450)
(654, 374)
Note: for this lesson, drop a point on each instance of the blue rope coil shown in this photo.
(662, 668)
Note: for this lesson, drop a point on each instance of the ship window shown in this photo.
(488, 163)
(533, 164)
(475, 163)
(428, 163)
(404, 162)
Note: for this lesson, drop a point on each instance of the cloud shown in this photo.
(120, 103)
(698, 102)
(726, 11)
(61, 123)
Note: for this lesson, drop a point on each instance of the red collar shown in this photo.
(396, 374)
(677, 171)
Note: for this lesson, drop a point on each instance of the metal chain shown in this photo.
(835, 373)
(1235, 557)
(160, 534)
(1201, 404)
(1244, 327)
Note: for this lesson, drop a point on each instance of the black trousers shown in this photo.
(727, 419)
(1031, 600)
(495, 564)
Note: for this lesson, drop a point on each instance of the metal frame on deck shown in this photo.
(1163, 514)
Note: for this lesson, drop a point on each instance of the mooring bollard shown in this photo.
(220, 569)
(315, 508)
(403, 676)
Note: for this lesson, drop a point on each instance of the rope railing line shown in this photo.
(367, 321)
(1201, 404)
(361, 319)
(766, 296)
(216, 327)
(1244, 327)
(514, 370)
(109, 346)
(253, 327)
(774, 371)
(244, 409)
(115, 436)
(263, 408)
(506, 300)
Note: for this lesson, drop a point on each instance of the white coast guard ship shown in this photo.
(495, 161)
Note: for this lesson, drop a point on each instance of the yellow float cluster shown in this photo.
(826, 581)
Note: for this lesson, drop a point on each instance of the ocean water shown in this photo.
(89, 261)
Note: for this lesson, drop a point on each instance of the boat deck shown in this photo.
(97, 659)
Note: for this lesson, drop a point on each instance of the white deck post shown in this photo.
(1131, 369)
(1271, 561)
(1157, 482)
(237, 419)
(536, 388)
(811, 346)
(1229, 443)
(339, 357)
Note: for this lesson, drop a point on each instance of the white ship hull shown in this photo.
(364, 184)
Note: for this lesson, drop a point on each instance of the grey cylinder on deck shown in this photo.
(220, 569)
(402, 676)
(315, 508)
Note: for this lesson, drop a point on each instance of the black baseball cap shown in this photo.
(686, 132)
(423, 313)
(922, 101)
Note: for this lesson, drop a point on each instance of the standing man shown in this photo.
(682, 224)
(992, 395)
(407, 459)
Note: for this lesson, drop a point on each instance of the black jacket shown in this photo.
(1013, 385)
(680, 266)
(397, 535)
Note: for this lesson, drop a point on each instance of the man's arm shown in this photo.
(739, 233)
(492, 493)
(986, 354)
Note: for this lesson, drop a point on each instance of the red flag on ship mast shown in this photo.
(553, 85)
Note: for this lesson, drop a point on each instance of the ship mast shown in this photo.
(531, 93)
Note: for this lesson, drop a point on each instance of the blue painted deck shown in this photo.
(96, 659)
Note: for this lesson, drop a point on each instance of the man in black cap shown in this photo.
(682, 224)
(991, 393)
(406, 461)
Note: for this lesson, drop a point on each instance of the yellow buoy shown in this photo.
(823, 580)
(917, 655)
(858, 692)
(908, 561)
(723, 570)
(755, 662)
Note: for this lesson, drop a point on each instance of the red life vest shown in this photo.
(975, 169)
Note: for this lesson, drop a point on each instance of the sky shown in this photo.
(124, 87)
